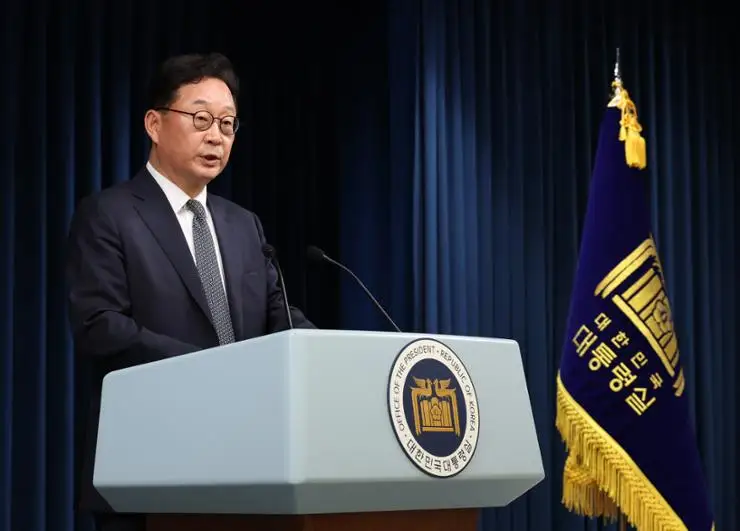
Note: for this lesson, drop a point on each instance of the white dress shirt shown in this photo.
(177, 199)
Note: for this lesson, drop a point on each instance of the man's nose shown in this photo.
(213, 133)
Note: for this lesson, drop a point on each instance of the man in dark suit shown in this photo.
(157, 266)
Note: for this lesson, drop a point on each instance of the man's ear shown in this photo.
(153, 124)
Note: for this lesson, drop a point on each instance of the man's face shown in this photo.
(192, 154)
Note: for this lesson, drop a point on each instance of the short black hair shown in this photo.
(190, 68)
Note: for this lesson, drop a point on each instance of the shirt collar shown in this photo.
(175, 196)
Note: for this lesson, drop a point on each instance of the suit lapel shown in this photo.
(228, 241)
(158, 215)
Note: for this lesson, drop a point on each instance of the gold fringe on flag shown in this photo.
(600, 478)
(630, 128)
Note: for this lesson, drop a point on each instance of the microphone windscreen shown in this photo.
(314, 253)
(268, 250)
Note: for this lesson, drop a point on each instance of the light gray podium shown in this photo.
(320, 430)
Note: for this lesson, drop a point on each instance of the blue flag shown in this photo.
(622, 409)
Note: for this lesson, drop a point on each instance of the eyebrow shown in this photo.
(204, 102)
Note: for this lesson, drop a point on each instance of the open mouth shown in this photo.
(211, 158)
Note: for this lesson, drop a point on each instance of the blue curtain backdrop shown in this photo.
(441, 149)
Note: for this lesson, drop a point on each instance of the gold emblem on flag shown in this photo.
(637, 287)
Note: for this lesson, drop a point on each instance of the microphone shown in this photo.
(316, 254)
(270, 253)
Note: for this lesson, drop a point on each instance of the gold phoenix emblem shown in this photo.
(646, 305)
(435, 406)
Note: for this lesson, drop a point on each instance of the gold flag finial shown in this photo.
(630, 128)
(616, 85)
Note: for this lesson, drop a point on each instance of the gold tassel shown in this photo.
(635, 150)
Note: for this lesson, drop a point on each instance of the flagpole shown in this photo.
(616, 97)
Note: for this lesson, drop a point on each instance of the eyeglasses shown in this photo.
(202, 120)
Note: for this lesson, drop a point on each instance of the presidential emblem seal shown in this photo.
(433, 408)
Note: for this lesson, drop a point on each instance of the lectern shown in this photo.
(320, 429)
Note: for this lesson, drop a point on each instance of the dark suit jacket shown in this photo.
(135, 295)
